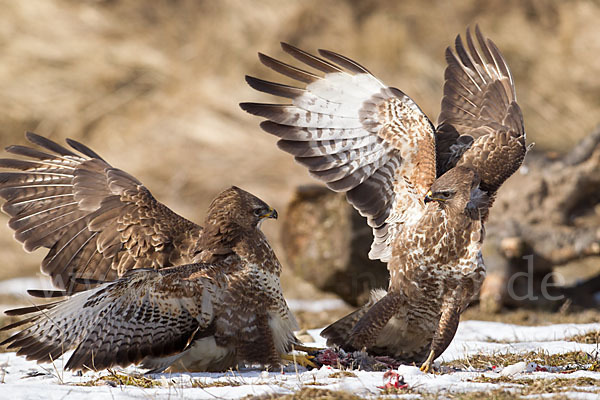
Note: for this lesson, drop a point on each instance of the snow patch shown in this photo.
(26, 379)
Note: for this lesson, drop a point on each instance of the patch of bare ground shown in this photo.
(578, 360)
(592, 337)
(498, 394)
(528, 386)
(532, 317)
(309, 393)
(118, 379)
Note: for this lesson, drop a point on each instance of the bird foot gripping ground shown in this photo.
(428, 364)
(304, 360)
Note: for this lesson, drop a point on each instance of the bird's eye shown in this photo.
(443, 194)
(258, 212)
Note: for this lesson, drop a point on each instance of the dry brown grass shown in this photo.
(498, 394)
(592, 337)
(117, 379)
(309, 393)
(578, 359)
(528, 387)
(154, 87)
(532, 317)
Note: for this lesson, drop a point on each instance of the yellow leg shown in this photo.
(300, 359)
(427, 364)
(447, 326)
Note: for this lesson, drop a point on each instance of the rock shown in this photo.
(326, 242)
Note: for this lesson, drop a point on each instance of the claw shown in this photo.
(426, 367)
(300, 359)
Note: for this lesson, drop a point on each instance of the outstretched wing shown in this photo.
(97, 221)
(356, 135)
(481, 124)
(146, 313)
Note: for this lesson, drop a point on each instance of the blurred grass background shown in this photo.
(154, 87)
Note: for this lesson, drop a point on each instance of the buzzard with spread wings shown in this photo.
(141, 284)
(425, 190)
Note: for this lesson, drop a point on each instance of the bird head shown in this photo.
(236, 206)
(454, 189)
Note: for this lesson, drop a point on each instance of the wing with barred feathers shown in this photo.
(97, 221)
(356, 135)
(195, 317)
(481, 124)
(145, 314)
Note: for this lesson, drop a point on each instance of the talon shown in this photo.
(300, 359)
(427, 364)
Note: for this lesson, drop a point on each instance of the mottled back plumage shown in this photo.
(222, 310)
(425, 191)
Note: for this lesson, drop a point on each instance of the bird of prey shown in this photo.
(161, 290)
(425, 190)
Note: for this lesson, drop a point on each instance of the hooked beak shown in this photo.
(270, 213)
(429, 198)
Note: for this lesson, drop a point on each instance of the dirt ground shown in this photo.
(154, 87)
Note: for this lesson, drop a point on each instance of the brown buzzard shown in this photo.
(424, 190)
(186, 297)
